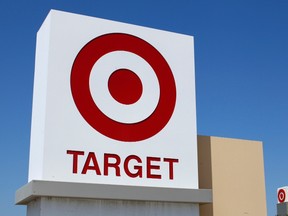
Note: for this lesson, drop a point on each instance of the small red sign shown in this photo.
(281, 195)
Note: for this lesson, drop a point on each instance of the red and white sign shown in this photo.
(282, 194)
(113, 103)
(125, 87)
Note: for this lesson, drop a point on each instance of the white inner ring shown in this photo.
(281, 196)
(98, 83)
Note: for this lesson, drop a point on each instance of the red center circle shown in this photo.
(80, 88)
(125, 86)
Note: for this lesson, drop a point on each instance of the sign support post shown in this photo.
(60, 198)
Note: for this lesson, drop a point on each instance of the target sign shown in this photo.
(124, 85)
(282, 194)
(113, 104)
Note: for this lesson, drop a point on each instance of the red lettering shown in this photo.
(91, 157)
(114, 165)
(138, 169)
(131, 166)
(75, 159)
(171, 161)
(151, 167)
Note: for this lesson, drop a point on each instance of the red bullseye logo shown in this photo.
(281, 195)
(127, 87)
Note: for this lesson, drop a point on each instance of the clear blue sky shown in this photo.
(241, 51)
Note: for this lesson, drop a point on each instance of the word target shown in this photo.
(134, 79)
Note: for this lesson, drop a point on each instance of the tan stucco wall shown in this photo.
(234, 169)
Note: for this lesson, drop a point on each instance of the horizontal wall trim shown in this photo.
(37, 188)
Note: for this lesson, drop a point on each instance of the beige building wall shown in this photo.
(234, 170)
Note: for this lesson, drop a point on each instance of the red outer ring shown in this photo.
(80, 74)
(284, 195)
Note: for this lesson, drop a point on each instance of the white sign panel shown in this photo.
(113, 103)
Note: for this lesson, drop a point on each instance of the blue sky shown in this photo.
(241, 55)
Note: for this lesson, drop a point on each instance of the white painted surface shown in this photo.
(39, 102)
(77, 207)
(57, 125)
